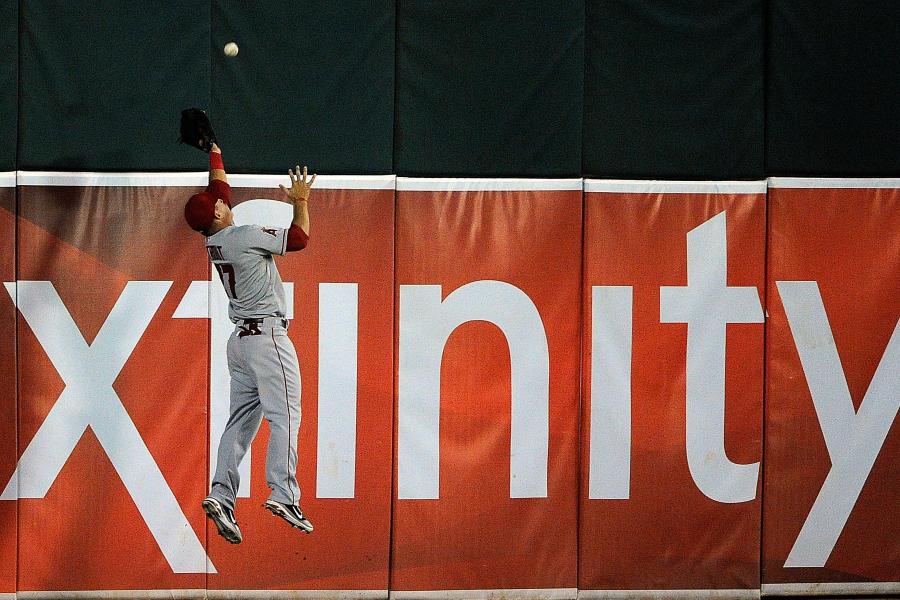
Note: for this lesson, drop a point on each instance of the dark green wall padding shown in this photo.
(9, 61)
(674, 89)
(489, 88)
(103, 83)
(833, 101)
(313, 83)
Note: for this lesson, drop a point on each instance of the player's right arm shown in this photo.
(298, 195)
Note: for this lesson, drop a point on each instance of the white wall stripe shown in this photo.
(462, 184)
(53, 178)
(667, 594)
(325, 182)
(411, 184)
(542, 594)
(833, 182)
(628, 186)
(834, 589)
(7, 596)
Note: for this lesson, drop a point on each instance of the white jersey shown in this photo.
(243, 257)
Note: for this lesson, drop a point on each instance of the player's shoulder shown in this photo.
(255, 236)
(228, 236)
(242, 232)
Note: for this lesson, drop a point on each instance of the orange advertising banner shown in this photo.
(674, 275)
(8, 488)
(488, 275)
(522, 388)
(342, 328)
(832, 477)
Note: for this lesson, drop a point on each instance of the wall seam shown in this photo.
(766, 7)
(16, 208)
(394, 400)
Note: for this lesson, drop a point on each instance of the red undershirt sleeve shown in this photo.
(296, 239)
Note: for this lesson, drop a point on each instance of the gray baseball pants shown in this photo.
(265, 382)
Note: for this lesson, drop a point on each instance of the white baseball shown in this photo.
(231, 49)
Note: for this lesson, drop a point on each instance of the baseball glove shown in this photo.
(196, 129)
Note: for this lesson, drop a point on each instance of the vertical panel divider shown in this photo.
(16, 354)
(16, 260)
(765, 384)
(580, 453)
(394, 346)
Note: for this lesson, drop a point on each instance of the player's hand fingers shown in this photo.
(311, 179)
(291, 175)
(304, 173)
(297, 171)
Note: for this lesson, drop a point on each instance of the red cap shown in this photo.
(200, 211)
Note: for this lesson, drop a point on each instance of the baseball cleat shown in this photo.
(224, 520)
(290, 513)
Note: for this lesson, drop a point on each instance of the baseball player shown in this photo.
(265, 374)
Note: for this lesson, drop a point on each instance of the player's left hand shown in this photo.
(299, 190)
(196, 129)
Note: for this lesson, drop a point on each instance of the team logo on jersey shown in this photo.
(270, 231)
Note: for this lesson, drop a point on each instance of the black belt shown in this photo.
(276, 320)
(251, 326)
